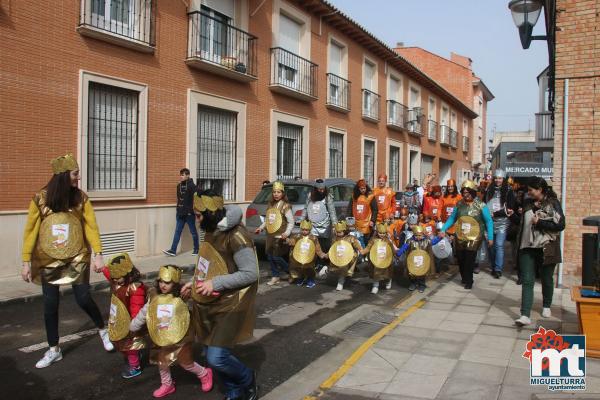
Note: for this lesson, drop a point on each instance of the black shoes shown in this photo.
(496, 274)
(519, 281)
(252, 390)
(476, 270)
(468, 286)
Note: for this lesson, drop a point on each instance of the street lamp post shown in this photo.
(525, 14)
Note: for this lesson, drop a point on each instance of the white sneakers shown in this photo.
(388, 285)
(323, 273)
(108, 346)
(51, 356)
(273, 281)
(375, 289)
(339, 286)
(522, 321)
(546, 313)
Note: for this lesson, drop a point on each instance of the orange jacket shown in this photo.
(395, 229)
(449, 204)
(433, 207)
(362, 213)
(386, 203)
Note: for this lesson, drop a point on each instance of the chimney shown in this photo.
(399, 44)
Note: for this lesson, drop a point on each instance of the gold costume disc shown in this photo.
(209, 264)
(381, 254)
(118, 320)
(341, 253)
(168, 320)
(304, 251)
(418, 262)
(273, 220)
(467, 229)
(61, 236)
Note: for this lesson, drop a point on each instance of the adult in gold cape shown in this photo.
(167, 318)
(59, 232)
(279, 222)
(381, 253)
(304, 248)
(472, 217)
(224, 291)
(342, 255)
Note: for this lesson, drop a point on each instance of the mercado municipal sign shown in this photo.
(528, 170)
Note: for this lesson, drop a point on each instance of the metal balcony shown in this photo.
(220, 48)
(453, 138)
(432, 128)
(413, 125)
(338, 93)
(544, 131)
(397, 115)
(125, 23)
(293, 75)
(370, 105)
(444, 135)
(465, 144)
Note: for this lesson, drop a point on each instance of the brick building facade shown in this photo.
(239, 91)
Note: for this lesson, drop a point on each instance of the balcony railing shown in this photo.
(370, 105)
(445, 135)
(220, 48)
(544, 126)
(432, 130)
(338, 93)
(293, 75)
(415, 116)
(130, 23)
(465, 144)
(397, 115)
(453, 138)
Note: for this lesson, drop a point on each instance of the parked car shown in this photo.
(297, 192)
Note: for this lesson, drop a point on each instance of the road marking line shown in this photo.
(358, 353)
(64, 339)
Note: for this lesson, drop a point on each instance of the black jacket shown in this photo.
(185, 197)
(551, 250)
(507, 197)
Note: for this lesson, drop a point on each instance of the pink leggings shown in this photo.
(195, 368)
(133, 358)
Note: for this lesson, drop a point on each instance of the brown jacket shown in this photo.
(552, 254)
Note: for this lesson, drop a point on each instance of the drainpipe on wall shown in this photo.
(563, 177)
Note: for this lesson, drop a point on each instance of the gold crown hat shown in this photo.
(468, 184)
(169, 273)
(210, 203)
(119, 265)
(278, 186)
(382, 228)
(341, 226)
(306, 224)
(418, 230)
(63, 164)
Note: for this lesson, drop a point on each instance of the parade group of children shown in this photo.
(138, 313)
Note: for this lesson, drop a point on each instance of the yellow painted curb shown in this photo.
(358, 353)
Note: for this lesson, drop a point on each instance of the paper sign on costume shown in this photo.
(418, 260)
(202, 267)
(496, 207)
(272, 218)
(449, 210)
(360, 207)
(434, 211)
(164, 314)
(112, 315)
(466, 227)
(60, 233)
(316, 208)
(381, 199)
(428, 229)
(341, 249)
(304, 247)
(381, 252)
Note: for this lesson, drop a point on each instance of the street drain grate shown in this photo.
(381, 317)
(363, 328)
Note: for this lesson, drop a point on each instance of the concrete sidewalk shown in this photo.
(15, 289)
(461, 344)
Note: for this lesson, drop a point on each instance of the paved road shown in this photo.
(286, 341)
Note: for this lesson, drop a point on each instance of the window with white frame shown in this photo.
(370, 98)
(431, 110)
(338, 86)
(445, 116)
(289, 150)
(394, 165)
(214, 31)
(395, 91)
(217, 138)
(289, 65)
(453, 121)
(112, 142)
(369, 161)
(465, 130)
(127, 18)
(336, 155)
(369, 76)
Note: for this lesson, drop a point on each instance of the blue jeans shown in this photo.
(278, 264)
(497, 250)
(190, 220)
(232, 372)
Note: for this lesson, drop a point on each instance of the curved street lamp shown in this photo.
(525, 14)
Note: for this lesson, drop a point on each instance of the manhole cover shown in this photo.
(363, 328)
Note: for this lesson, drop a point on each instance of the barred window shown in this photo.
(112, 151)
(394, 172)
(289, 151)
(369, 162)
(336, 155)
(217, 131)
